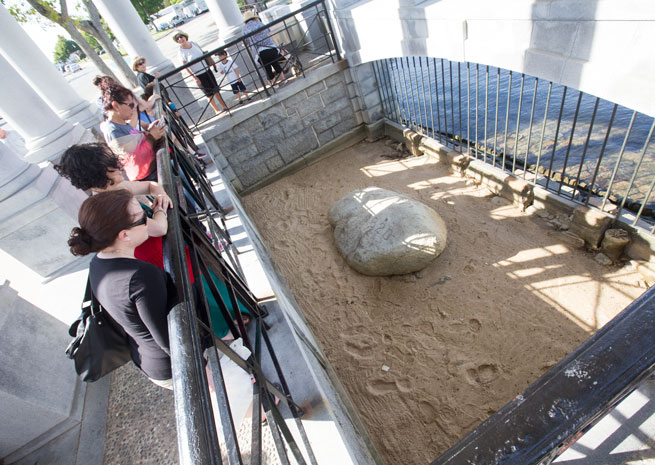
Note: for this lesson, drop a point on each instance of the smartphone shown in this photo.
(161, 123)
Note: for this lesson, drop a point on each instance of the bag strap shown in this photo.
(87, 301)
(90, 299)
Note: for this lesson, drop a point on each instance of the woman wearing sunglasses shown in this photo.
(136, 294)
(135, 148)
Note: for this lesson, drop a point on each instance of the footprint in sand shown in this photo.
(359, 349)
(483, 374)
(380, 387)
(357, 343)
(474, 325)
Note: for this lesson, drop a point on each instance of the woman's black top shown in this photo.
(138, 295)
(144, 78)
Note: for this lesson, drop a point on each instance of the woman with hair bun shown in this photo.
(136, 294)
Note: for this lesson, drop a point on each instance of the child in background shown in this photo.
(230, 69)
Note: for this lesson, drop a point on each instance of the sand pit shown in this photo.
(504, 302)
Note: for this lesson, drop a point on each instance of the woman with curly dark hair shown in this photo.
(95, 167)
(136, 294)
(135, 148)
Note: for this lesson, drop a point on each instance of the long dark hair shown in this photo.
(86, 165)
(114, 92)
(101, 218)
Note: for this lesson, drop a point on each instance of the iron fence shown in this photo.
(305, 39)
(576, 145)
(201, 258)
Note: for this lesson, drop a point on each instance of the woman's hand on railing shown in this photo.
(162, 202)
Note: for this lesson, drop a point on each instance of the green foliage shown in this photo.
(64, 48)
(92, 41)
(145, 8)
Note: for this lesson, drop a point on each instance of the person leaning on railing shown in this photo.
(135, 148)
(136, 294)
(95, 167)
(263, 46)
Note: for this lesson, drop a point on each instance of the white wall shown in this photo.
(602, 47)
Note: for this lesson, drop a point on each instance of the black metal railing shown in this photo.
(201, 258)
(550, 415)
(305, 38)
(576, 145)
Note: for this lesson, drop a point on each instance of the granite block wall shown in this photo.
(304, 116)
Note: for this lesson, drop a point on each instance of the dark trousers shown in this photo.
(270, 59)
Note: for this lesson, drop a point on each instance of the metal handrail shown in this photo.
(311, 50)
(578, 146)
(197, 234)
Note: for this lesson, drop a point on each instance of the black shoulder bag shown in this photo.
(100, 345)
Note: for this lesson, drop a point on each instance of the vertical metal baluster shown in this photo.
(645, 201)
(436, 84)
(618, 161)
(527, 148)
(401, 96)
(393, 88)
(427, 63)
(636, 171)
(559, 122)
(568, 148)
(387, 89)
(443, 94)
(425, 108)
(459, 99)
(407, 96)
(418, 98)
(496, 120)
(477, 86)
(468, 108)
(486, 108)
(543, 132)
(415, 103)
(600, 156)
(518, 122)
(509, 96)
(586, 146)
(452, 107)
(378, 80)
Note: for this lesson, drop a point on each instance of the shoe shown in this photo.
(240, 102)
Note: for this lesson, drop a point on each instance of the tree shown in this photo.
(146, 8)
(63, 49)
(95, 27)
(92, 41)
(47, 9)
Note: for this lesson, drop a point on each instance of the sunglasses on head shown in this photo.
(139, 222)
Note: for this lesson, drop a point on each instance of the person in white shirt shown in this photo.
(203, 76)
(231, 71)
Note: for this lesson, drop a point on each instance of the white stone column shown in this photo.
(228, 18)
(126, 24)
(46, 135)
(26, 58)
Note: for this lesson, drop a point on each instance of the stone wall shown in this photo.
(296, 124)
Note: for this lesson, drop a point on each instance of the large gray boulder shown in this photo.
(382, 233)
